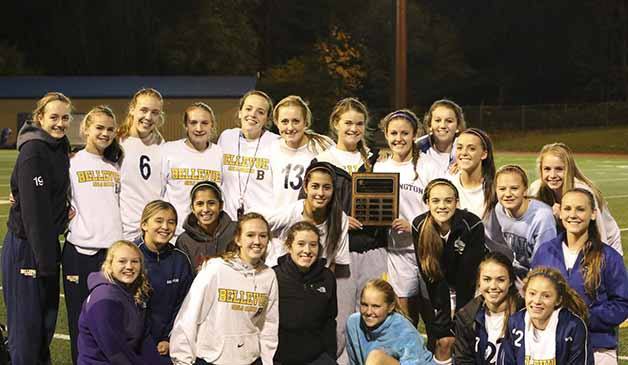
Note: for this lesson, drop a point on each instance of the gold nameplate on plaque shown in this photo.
(375, 198)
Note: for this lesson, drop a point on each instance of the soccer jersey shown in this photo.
(288, 167)
(182, 167)
(410, 196)
(494, 326)
(437, 161)
(95, 194)
(281, 220)
(348, 161)
(246, 171)
(140, 182)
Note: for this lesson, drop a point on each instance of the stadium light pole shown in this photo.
(401, 62)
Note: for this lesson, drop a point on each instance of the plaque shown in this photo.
(375, 198)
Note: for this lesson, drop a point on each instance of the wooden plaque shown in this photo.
(375, 198)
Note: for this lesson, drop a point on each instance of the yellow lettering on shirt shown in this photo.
(245, 301)
(192, 175)
(245, 163)
(98, 178)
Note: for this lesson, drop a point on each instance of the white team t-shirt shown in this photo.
(140, 182)
(281, 220)
(540, 345)
(570, 257)
(470, 199)
(348, 161)
(410, 197)
(182, 167)
(437, 161)
(288, 167)
(95, 194)
(246, 171)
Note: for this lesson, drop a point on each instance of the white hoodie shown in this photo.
(230, 316)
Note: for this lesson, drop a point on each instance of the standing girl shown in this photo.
(169, 271)
(207, 230)
(112, 324)
(400, 128)
(551, 329)
(592, 268)
(443, 123)
(31, 253)
(95, 181)
(474, 156)
(230, 315)
(247, 179)
(518, 224)
(307, 301)
(295, 150)
(140, 171)
(449, 245)
(481, 323)
(380, 333)
(558, 174)
(191, 159)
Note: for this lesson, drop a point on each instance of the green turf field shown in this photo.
(609, 172)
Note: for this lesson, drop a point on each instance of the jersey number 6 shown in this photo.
(145, 166)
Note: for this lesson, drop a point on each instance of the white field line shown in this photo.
(610, 180)
(616, 196)
(623, 229)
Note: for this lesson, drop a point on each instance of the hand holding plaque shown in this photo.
(375, 198)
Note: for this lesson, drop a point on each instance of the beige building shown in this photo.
(19, 94)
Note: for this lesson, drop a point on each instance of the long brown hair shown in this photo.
(488, 167)
(113, 153)
(572, 172)
(125, 128)
(341, 107)
(451, 105)
(233, 250)
(269, 112)
(430, 244)
(390, 298)
(410, 117)
(140, 288)
(569, 298)
(592, 252)
(512, 297)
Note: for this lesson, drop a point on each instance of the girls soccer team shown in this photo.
(213, 299)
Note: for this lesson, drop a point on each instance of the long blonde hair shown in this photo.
(316, 142)
(341, 107)
(125, 128)
(140, 288)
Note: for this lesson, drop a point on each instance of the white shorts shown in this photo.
(403, 272)
(605, 357)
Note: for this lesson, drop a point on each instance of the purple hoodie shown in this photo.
(112, 327)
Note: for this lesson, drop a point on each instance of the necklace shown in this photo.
(246, 184)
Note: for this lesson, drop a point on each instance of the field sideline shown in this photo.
(609, 172)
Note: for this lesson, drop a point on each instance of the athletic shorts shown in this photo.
(403, 272)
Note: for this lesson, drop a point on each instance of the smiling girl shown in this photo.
(191, 159)
(294, 151)
(559, 173)
(474, 181)
(230, 315)
(449, 244)
(481, 323)
(207, 229)
(140, 171)
(592, 268)
(307, 301)
(112, 321)
(247, 178)
(380, 333)
(95, 182)
(551, 329)
(31, 250)
(518, 225)
(168, 268)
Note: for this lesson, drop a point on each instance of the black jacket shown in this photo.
(307, 312)
(40, 185)
(198, 245)
(462, 254)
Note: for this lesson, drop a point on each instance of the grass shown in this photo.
(609, 172)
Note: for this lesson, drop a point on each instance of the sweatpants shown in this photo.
(32, 303)
(364, 267)
(76, 269)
